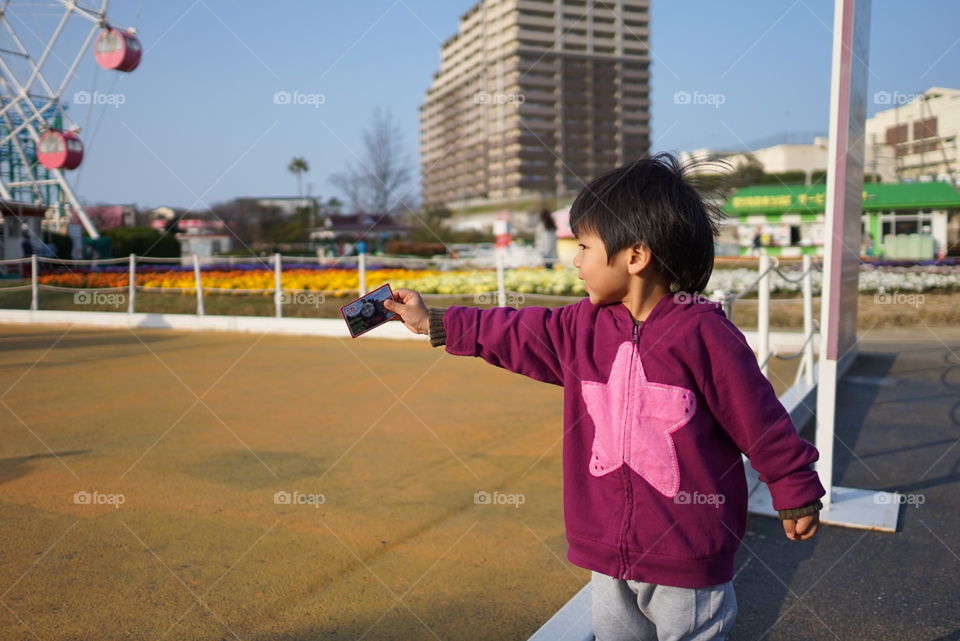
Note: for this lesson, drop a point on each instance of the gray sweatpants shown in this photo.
(626, 610)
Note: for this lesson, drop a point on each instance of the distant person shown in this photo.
(545, 238)
(26, 247)
(756, 248)
(867, 248)
(662, 395)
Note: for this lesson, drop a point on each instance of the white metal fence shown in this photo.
(767, 266)
(274, 263)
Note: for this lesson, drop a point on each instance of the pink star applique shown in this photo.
(634, 421)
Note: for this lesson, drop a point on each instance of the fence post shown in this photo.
(362, 266)
(763, 315)
(501, 288)
(132, 288)
(34, 283)
(726, 300)
(808, 317)
(277, 286)
(199, 284)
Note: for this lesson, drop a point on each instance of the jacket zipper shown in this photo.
(628, 508)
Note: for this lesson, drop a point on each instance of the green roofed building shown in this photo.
(917, 220)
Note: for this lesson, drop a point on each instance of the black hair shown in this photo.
(653, 202)
(546, 219)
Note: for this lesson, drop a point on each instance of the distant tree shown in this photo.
(298, 166)
(785, 178)
(247, 220)
(747, 173)
(173, 222)
(379, 181)
(717, 178)
(142, 241)
(63, 244)
(431, 225)
(333, 207)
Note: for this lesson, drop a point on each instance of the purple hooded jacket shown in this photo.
(656, 416)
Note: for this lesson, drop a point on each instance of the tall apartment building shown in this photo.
(535, 98)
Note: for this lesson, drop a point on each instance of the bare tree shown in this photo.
(379, 181)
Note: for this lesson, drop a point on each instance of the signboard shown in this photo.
(501, 231)
(844, 207)
(813, 200)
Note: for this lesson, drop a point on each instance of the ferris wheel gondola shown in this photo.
(117, 49)
(59, 150)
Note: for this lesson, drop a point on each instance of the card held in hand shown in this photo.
(368, 311)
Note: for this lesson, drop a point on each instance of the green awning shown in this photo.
(800, 199)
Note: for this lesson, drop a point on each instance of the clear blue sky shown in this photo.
(199, 124)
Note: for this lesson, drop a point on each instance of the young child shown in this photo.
(662, 394)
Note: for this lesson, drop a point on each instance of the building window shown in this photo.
(896, 136)
(906, 222)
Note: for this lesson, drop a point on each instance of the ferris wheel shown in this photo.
(42, 44)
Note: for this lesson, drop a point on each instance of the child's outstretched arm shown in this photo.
(527, 341)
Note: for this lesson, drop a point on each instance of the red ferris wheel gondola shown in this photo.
(117, 49)
(60, 150)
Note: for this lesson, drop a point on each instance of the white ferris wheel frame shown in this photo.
(22, 96)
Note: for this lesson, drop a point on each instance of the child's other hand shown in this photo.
(801, 529)
(409, 305)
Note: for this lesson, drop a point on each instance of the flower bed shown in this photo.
(327, 280)
(559, 282)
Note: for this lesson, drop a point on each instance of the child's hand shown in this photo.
(801, 529)
(408, 304)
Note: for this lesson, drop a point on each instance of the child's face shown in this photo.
(604, 283)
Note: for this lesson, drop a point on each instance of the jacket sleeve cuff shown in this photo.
(438, 335)
(804, 510)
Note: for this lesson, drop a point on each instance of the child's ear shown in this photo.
(640, 258)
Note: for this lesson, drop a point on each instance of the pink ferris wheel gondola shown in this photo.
(60, 150)
(117, 49)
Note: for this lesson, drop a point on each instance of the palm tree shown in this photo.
(298, 166)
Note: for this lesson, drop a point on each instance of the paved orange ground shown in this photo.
(196, 432)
